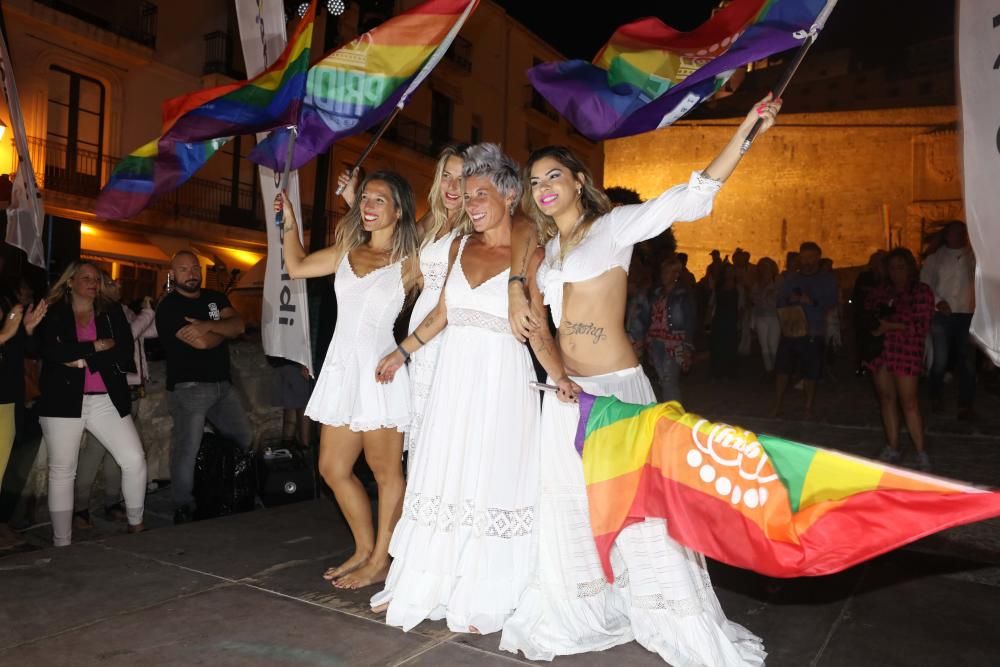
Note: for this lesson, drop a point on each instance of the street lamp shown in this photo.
(3, 128)
(334, 7)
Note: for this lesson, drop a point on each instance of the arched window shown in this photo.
(74, 142)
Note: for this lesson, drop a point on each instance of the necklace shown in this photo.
(559, 260)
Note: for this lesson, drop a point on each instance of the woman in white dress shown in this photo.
(461, 550)
(662, 595)
(437, 229)
(375, 259)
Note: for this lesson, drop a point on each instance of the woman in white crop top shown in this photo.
(662, 596)
(375, 259)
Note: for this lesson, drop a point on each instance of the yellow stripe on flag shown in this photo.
(832, 476)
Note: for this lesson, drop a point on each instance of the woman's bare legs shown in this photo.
(339, 449)
(383, 452)
(906, 388)
(886, 390)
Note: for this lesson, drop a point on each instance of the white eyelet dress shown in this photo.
(434, 267)
(462, 548)
(346, 392)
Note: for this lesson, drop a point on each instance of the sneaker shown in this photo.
(890, 455)
(183, 515)
(116, 512)
(81, 520)
(923, 462)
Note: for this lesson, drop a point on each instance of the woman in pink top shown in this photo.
(87, 348)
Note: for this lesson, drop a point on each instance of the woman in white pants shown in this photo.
(764, 297)
(87, 348)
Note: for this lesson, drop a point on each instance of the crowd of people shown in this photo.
(489, 528)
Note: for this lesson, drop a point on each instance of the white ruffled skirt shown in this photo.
(461, 550)
(662, 596)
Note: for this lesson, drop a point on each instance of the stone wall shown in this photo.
(826, 177)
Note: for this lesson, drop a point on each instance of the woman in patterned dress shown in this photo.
(903, 308)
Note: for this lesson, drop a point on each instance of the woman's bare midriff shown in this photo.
(592, 335)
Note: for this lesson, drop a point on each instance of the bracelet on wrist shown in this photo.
(419, 339)
(519, 279)
(402, 351)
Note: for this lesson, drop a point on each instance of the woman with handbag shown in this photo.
(87, 352)
(903, 308)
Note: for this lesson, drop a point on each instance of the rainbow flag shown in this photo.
(270, 99)
(649, 75)
(357, 86)
(149, 171)
(196, 126)
(776, 507)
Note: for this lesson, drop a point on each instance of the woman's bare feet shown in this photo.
(372, 572)
(381, 608)
(354, 562)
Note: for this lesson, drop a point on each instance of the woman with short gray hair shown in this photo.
(462, 549)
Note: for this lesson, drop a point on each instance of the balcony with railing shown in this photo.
(73, 171)
(220, 56)
(411, 134)
(132, 19)
(535, 102)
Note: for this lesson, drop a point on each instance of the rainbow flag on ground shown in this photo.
(195, 126)
(776, 507)
(357, 86)
(649, 75)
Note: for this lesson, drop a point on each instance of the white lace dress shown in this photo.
(434, 267)
(662, 595)
(346, 393)
(462, 547)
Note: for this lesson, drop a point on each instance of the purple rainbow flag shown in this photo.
(650, 75)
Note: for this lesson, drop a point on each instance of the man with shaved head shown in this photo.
(195, 326)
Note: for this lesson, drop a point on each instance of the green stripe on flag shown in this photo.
(791, 461)
(607, 410)
(622, 71)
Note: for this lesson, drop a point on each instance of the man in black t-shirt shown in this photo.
(195, 326)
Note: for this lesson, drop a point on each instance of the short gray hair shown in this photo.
(490, 160)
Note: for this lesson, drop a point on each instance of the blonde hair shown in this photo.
(61, 290)
(438, 215)
(351, 233)
(593, 200)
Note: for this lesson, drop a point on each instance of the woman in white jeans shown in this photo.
(764, 296)
(87, 347)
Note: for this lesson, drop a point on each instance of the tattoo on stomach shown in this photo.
(569, 328)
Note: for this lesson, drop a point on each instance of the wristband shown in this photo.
(519, 279)
(406, 355)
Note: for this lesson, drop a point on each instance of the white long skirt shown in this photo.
(461, 550)
(662, 596)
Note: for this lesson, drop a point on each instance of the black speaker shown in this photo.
(284, 475)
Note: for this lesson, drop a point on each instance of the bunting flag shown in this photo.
(649, 75)
(266, 101)
(776, 507)
(358, 85)
(196, 126)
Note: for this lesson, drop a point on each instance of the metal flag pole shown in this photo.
(779, 90)
(371, 145)
(279, 216)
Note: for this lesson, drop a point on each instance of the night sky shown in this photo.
(874, 29)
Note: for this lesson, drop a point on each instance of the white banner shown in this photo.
(979, 85)
(26, 214)
(285, 316)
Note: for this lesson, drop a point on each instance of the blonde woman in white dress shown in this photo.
(437, 229)
(461, 551)
(662, 595)
(375, 259)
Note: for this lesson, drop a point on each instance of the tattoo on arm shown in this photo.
(527, 256)
(569, 328)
